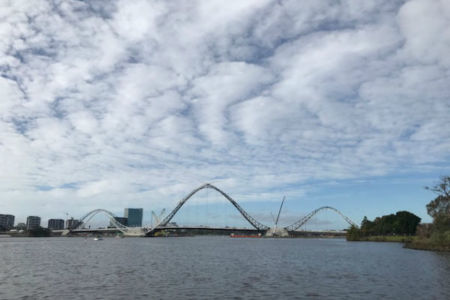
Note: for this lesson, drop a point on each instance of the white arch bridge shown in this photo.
(163, 224)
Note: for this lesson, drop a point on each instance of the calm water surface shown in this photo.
(218, 267)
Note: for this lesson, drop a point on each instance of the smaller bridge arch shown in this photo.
(87, 217)
(306, 218)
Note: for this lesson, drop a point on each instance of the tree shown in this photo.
(21, 226)
(366, 227)
(439, 209)
(354, 234)
(403, 222)
(386, 225)
(406, 223)
(441, 204)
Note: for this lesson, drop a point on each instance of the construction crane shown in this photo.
(275, 231)
(279, 212)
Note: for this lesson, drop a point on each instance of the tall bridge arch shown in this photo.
(257, 225)
(306, 218)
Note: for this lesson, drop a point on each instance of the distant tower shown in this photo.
(6, 222)
(56, 224)
(33, 222)
(134, 216)
(72, 223)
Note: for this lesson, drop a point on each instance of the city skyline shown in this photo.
(134, 104)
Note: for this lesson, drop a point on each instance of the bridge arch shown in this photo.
(250, 219)
(306, 218)
(86, 218)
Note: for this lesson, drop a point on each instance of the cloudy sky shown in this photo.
(117, 104)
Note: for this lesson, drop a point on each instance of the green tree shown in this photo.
(406, 223)
(366, 227)
(441, 204)
(439, 209)
(354, 234)
(402, 223)
(384, 225)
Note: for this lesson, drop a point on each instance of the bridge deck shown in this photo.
(199, 230)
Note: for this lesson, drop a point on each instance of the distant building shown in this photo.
(134, 216)
(72, 223)
(121, 220)
(172, 224)
(6, 222)
(56, 224)
(33, 222)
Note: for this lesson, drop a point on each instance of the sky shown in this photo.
(114, 104)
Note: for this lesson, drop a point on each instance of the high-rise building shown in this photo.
(56, 224)
(121, 220)
(134, 216)
(6, 222)
(33, 222)
(72, 223)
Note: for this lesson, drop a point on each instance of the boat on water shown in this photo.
(98, 238)
(234, 235)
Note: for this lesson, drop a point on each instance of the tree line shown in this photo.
(401, 223)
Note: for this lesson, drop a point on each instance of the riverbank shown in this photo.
(41, 232)
(427, 244)
(385, 238)
(410, 242)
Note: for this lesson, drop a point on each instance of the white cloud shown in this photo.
(139, 102)
(425, 27)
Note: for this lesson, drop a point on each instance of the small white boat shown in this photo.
(98, 238)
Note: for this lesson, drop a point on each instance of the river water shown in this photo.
(218, 267)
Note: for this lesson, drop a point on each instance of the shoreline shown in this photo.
(427, 246)
(385, 238)
(409, 242)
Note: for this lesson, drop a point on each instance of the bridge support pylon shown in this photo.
(134, 232)
(277, 232)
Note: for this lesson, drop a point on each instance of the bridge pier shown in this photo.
(277, 232)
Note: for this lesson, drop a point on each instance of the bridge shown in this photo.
(164, 224)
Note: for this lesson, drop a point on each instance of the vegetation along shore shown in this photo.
(405, 227)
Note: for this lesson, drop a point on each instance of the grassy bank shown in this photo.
(438, 241)
(427, 244)
(386, 238)
(410, 242)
